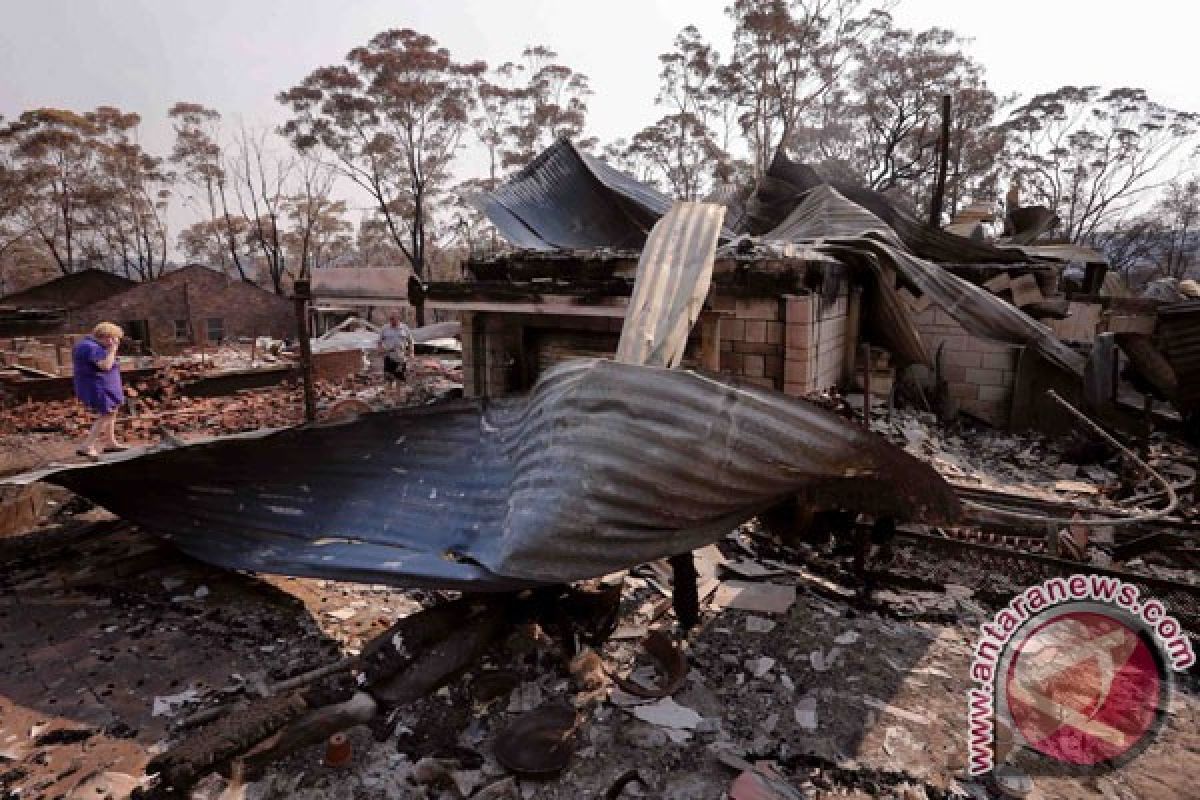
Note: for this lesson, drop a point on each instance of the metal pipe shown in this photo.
(939, 186)
(303, 294)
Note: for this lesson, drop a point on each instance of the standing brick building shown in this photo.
(50, 307)
(189, 307)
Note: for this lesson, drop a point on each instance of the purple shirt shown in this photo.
(99, 390)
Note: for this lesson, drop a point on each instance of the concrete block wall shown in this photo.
(751, 338)
(1080, 324)
(980, 373)
(815, 342)
(751, 342)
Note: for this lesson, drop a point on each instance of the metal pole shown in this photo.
(939, 187)
(866, 350)
(302, 296)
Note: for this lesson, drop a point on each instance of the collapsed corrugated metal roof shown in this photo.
(826, 216)
(787, 183)
(565, 198)
(602, 467)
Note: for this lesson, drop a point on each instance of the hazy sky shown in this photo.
(234, 55)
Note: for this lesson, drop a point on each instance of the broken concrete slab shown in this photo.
(763, 598)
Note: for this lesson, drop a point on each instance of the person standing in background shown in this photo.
(396, 342)
(98, 387)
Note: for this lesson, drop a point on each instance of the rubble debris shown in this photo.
(625, 779)
(169, 413)
(887, 708)
(672, 664)
(930, 658)
(676, 720)
(806, 712)
(170, 705)
(822, 661)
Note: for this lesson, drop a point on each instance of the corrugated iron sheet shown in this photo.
(564, 198)
(787, 183)
(673, 277)
(836, 222)
(602, 467)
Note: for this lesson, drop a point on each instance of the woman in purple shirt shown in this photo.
(98, 386)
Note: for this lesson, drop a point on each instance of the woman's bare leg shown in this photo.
(91, 442)
(111, 430)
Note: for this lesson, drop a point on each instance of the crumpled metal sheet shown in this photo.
(787, 183)
(826, 216)
(604, 466)
(566, 199)
(674, 273)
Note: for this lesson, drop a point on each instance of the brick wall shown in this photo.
(815, 342)
(336, 365)
(195, 295)
(980, 373)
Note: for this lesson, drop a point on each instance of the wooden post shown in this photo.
(1116, 379)
(302, 296)
(939, 186)
(853, 324)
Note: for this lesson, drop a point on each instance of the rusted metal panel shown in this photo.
(603, 466)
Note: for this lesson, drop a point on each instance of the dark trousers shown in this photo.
(394, 368)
